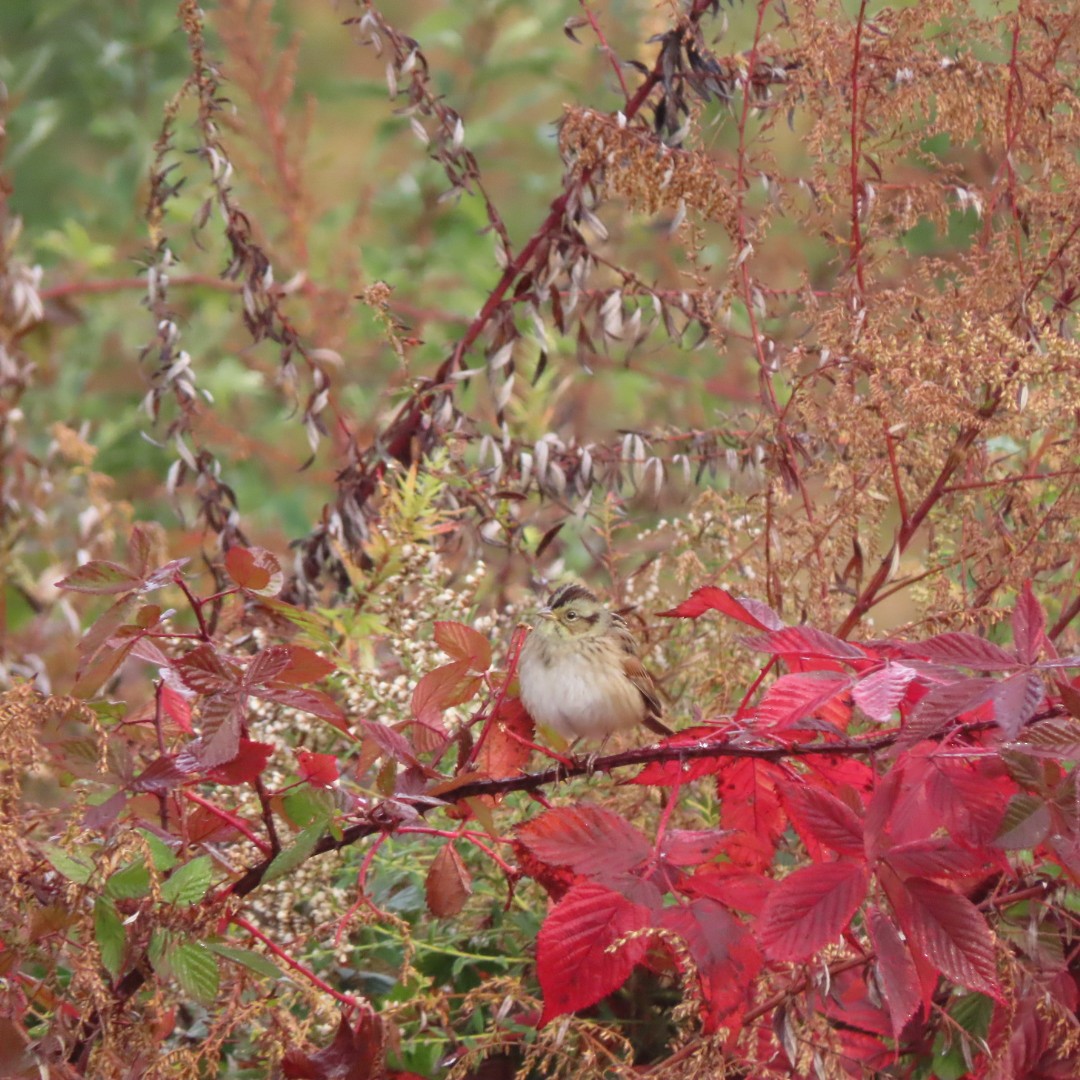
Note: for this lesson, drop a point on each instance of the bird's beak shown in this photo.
(546, 613)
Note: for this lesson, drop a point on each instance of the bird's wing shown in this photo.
(636, 673)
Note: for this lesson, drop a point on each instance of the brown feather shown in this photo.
(636, 673)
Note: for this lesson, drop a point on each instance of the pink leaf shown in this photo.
(692, 847)
(810, 908)
(752, 612)
(177, 708)
(878, 693)
(573, 963)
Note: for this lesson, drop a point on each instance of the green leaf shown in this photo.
(130, 882)
(75, 867)
(255, 961)
(296, 853)
(196, 970)
(109, 934)
(309, 806)
(189, 882)
(160, 952)
(160, 853)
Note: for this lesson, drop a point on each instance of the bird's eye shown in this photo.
(570, 616)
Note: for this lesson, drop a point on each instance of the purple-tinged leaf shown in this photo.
(1057, 738)
(1015, 701)
(963, 650)
(899, 977)
(942, 705)
(219, 721)
(949, 931)
(806, 641)
(267, 664)
(1028, 625)
(163, 774)
(205, 672)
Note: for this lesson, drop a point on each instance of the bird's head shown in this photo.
(572, 614)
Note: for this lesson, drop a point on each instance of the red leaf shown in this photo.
(742, 890)
(448, 883)
(464, 643)
(810, 908)
(448, 685)
(588, 839)
(355, 1054)
(806, 641)
(244, 768)
(501, 754)
(827, 819)
(949, 931)
(1028, 626)
(163, 774)
(101, 577)
(968, 798)
(935, 857)
(724, 953)
(573, 963)
(750, 807)
(305, 666)
(899, 978)
(1015, 701)
(255, 570)
(752, 612)
(962, 650)
(320, 770)
(878, 693)
(795, 697)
